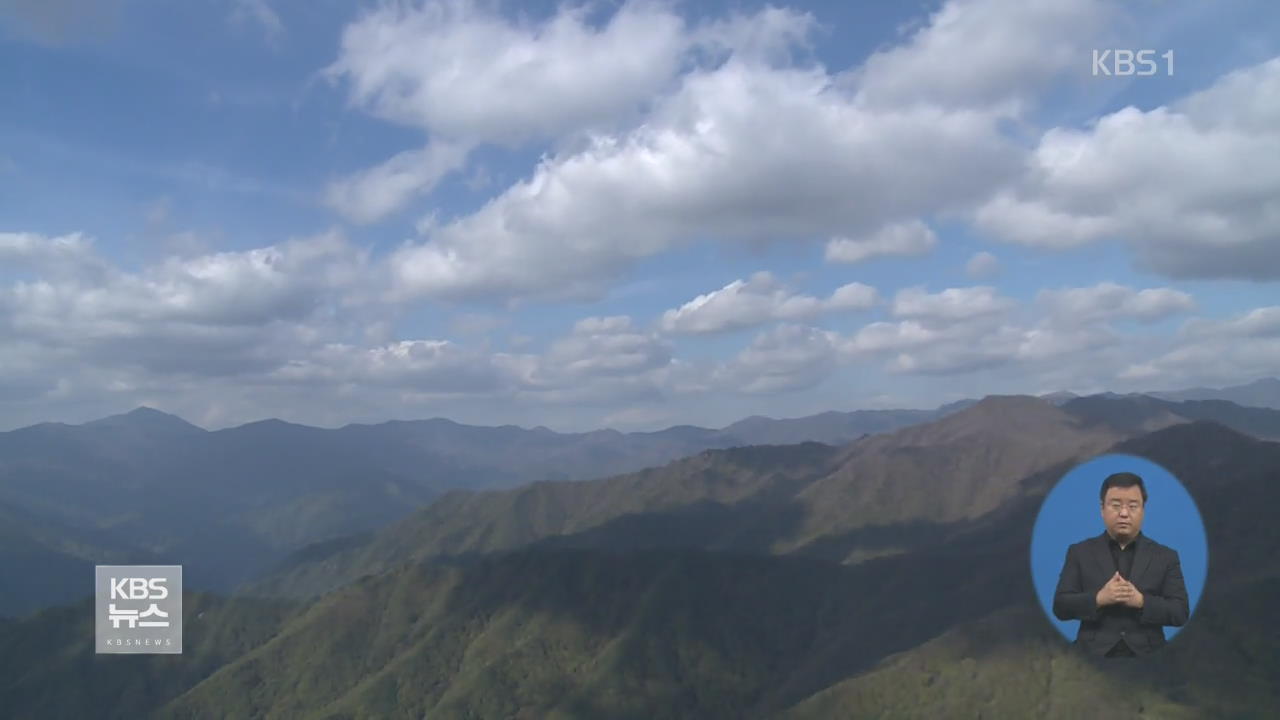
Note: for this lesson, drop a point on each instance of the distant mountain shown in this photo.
(149, 420)
(865, 499)
(947, 629)
(222, 504)
(957, 406)
(1058, 398)
(1259, 393)
(809, 498)
(46, 563)
(1141, 413)
(229, 503)
(832, 428)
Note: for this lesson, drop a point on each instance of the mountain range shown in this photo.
(886, 575)
(149, 487)
(641, 625)
(877, 495)
(1264, 392)
(238, 504)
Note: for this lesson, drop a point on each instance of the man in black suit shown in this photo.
(1122, 586)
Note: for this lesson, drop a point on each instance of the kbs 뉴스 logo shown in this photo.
(138, 608)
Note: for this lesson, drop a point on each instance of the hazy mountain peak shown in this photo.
(269, 424)
(999, 406)
(1263, 392)
(1059, 397)
(995, 416)
(145, 417)
(1008, 401)
(1193, 437)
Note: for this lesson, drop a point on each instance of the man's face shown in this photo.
(1122, 511)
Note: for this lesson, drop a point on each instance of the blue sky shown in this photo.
(1070, 513)
(333, 212)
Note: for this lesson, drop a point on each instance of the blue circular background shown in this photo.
(1070, 513)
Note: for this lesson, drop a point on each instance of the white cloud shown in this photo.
(463, 71)
(1210, 352)
(1191, 188)
(1263, 322)
(215, 314)
(910, 238)
(290, 331)
(965, 330)
(950, 304)
(786, 358)
(853, 296)
(467, 75)
(768, 36)
(437, 366)
(863, 159)
(1109, 300)
(605, 346)
(64, 255)
(985, 53)
(702, 160)
(710, 165)
(660, 133)
(761, 299)
(373, 193)
(982, 266)
(910, 347)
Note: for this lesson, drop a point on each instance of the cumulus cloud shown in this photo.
(375, 192)
(786, 358)
(982, 266)
(1110, 300)
(660, 132)
(950, 304)
(219, 313)
(911, 238)
(64, 255)
(709, 164)
(1216, 351)
(230, 336)
(974, 53)
(758, 300)
(1191, 187)
(963, 330)
(296, 324)
(467, 75)
(437, 366)
(862, 159)
(605, 346)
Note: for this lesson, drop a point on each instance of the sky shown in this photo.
(1071, 513)
(628, 214)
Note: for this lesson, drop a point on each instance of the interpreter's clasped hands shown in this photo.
(1119, 591)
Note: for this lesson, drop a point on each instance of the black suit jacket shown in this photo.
(1157, 573)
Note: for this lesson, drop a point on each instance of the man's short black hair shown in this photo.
(1122, 479)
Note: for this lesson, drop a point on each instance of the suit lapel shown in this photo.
(1102, 556)
(1141, 558)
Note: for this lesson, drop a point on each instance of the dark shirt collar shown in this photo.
(1132, 543)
